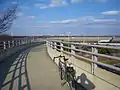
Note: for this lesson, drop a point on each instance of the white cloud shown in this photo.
(14, 2)
(104, 20)
(64, 21)
(79, 20)
(31, 17)
(57, 3)
(19, 14)
(53, 3)
(111, 13)
(77, 1)
(39, 26)
(38, 5)
(41, 6)
(87, 20)
(102, 1)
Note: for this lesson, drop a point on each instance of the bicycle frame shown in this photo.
(66, 72)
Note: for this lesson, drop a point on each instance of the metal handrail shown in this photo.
(89, 45)
(90, 60)
(92, 53)
(8, 44)
(96, 62)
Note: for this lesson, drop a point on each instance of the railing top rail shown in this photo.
(93, 53)
(97, 54)
(89, 45)
(96, 62)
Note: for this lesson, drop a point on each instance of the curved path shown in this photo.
(30, 71)
(43, 73)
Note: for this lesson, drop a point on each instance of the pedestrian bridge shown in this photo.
(27, 64)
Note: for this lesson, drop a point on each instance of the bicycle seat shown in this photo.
(60, 56)
(65, 59)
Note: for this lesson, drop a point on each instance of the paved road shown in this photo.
(33, 71)
(43, 73)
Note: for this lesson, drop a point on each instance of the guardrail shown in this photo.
(112, 44)
(11, 46)
(4, 45)
(94, 53)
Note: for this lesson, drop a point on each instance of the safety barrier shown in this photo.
(104, 76)
(8, 48)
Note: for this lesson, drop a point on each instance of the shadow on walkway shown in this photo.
(13, 72)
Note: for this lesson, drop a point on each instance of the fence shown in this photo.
(92, 64)
(11, 46)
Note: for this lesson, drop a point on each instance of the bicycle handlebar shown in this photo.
(59, 56)
(65, 59)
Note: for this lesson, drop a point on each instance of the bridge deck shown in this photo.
(42, 71)
(33, 72)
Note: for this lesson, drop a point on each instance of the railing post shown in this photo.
(23, 41)
(72, 49)
(55, 45)
(28, 41)
(19, 42)
(12, 43)
(9, 44)
(46, 43)
(51, 44)
(16, 43)
(94, 58)
(61, 48)
(4, 45)
(73, 53)
(61, 44)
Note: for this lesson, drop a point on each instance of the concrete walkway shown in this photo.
(42, 72)
(33, 71)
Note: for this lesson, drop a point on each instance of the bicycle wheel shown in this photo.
(70, 85)
(61, 72)
(61, 75)
(71, 81)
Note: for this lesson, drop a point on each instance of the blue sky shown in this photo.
(62, 17)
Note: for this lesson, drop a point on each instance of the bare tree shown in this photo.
(7, 18)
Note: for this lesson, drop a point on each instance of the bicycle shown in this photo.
(67, 72)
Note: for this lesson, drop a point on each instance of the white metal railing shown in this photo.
(13, 43)
(10, 44)
(112, 44)
(89, 45)
(94, 52)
